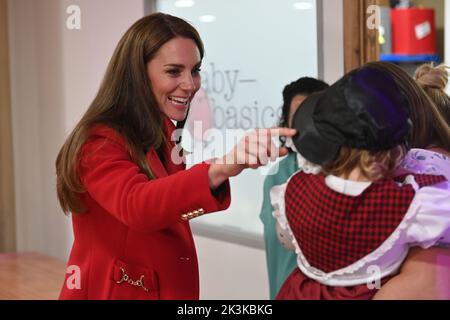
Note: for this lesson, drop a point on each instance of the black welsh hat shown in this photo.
(365, 109)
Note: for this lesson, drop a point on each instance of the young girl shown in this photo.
(352, 223)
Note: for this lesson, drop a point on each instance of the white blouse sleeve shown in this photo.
(285, 237)
(277, 200)
(282, 227)
(430, 225)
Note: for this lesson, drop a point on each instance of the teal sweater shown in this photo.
(280, 262)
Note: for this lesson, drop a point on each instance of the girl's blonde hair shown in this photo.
(372, 165)
(433, 81)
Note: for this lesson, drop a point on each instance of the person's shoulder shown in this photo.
(104, 132)
(102, 140)
(290, 160)
(281, 170)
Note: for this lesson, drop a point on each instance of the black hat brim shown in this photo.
(308, 141)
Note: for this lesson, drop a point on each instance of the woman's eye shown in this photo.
(173, 71)
(196, 70)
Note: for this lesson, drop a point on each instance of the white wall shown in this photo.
(231, 271)
(333, 40)
(55, 74)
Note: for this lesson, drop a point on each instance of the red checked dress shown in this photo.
(350, 237)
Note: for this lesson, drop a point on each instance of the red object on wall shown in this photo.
(413, 31)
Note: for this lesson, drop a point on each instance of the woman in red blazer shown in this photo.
(119, 172)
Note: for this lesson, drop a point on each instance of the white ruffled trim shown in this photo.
(304, 165)
(277, 193)
(284, 237)
(355, 273)
(277, 200)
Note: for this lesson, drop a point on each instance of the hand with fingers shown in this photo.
(255, 149)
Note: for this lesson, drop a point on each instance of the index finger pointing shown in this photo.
(283, 132)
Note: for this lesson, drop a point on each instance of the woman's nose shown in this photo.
(187, 83)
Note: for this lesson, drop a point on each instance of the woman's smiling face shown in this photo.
(174, 74)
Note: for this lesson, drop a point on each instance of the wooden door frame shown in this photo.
(360, 43)
(7, 205)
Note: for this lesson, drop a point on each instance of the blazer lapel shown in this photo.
(170, 155)
(155, 164)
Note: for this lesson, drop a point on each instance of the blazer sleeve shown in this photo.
(118, 186)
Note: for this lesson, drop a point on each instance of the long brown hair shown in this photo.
(124, 102)
(429, 125)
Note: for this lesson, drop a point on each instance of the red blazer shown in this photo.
(134, 241)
